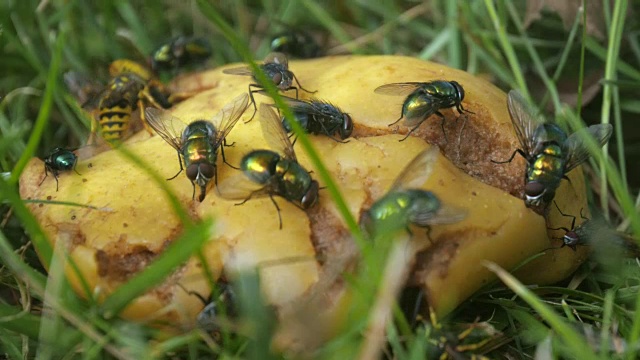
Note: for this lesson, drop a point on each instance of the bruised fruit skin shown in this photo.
(135, 222)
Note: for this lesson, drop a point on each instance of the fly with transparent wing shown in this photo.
(274, 172)
(197, 143)
(550, 153)
(405, 203)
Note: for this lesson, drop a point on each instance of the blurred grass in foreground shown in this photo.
(593, 69)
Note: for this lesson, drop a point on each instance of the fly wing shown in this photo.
(239, 187)
(398, 88)
(418, 171)
(227, 118)
(274, 133)
(445, 215)
(277, 58)
(169, 127)
(417, 116)
(87, 91)
(298, 105)
(577, 151)
(525, 119)
(242, 70)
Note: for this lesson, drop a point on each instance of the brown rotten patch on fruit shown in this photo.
(294, 261)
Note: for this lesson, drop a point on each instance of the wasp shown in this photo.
(130, 87)
(182, 51)
(550, 153)
(405, 203)
(269, 173)
(424, 100)
(59, 159)
(197, 143)
(319, 117)
(276, 67)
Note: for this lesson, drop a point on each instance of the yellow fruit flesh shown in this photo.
(136, 221)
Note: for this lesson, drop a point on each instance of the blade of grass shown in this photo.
(614, 179)
(327, 21)
(44, 112)
(539, 66)
(212, 14)
(634, 335)
(51, 324)
(610, 74)
(572, 339)
(508, 50)
(435, 45)
(38, 237)
(175, 254)
(454, 56)
(605, 337)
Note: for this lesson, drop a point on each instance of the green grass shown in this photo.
(481, 36)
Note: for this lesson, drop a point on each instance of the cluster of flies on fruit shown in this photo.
(550, 152)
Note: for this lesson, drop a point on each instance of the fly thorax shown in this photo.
(295, 180)
(549, 133)
(422, 202)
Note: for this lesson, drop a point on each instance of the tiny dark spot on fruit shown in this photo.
(40, 205)
(49, 197)
(125, 225)
(73, 217)
(474, 193)
(90, 165)
(84, 180)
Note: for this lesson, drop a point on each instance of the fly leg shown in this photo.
(412, 130)
(442, 119)
(46, 173)
(519, 151)
(461, 109)
(400, 118)
(573, 221)
(300, 86)
(331, 132)
(253, 101)
(181, 168)
(278, 209)
(224, 159)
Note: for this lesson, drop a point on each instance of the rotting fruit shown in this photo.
(134, 222)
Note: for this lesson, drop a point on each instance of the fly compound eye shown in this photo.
(207, 171)
(570, 238)
(534, 189)
(192, 172)
(277, 78)
(347, 126)
(459, 89)
(310, 198)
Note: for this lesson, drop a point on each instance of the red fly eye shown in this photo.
(347, 126)
(192, 172)
(534, 189)
(277, 78)
(207, 170)
(310, 198)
